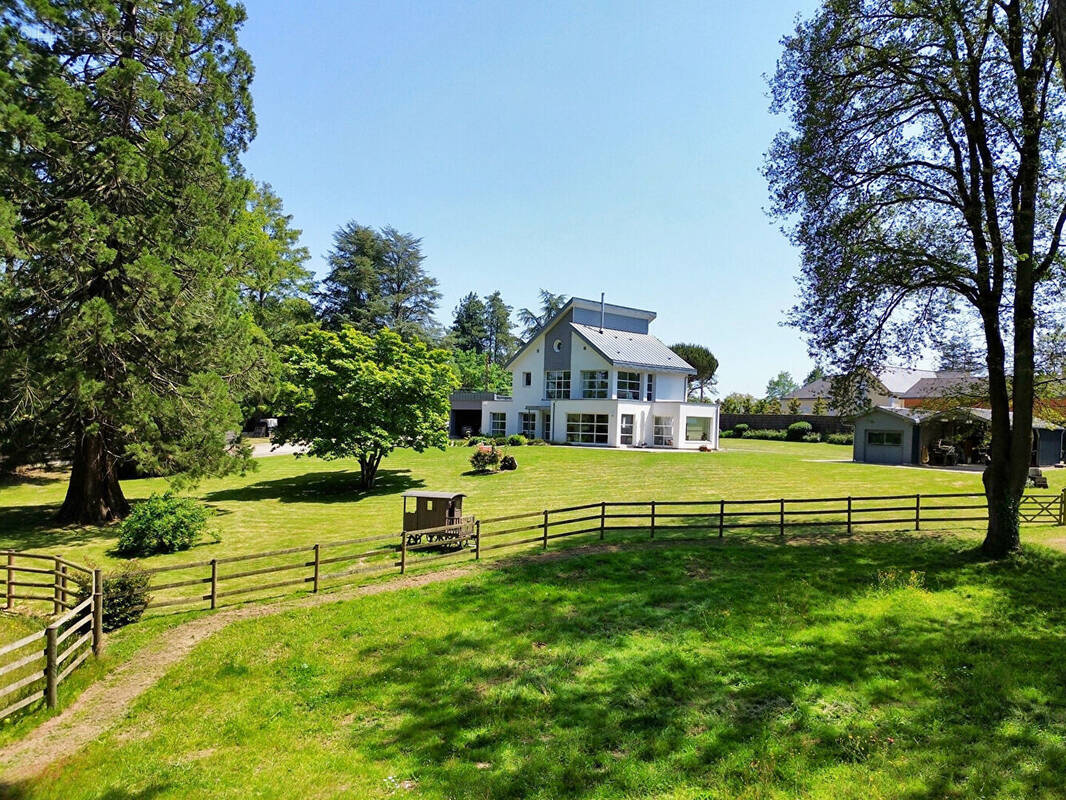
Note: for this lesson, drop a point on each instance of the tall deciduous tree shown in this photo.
(926, 166)
(780, 385)
(469, 330)
(703, 361)
(270, 264)
(474, 373)
(347, 394)
(122, 325)
(501, 339)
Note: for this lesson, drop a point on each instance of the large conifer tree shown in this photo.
(122, 324)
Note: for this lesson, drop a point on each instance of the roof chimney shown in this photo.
(603, 310)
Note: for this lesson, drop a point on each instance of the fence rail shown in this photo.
(33, 667)
(330, 564)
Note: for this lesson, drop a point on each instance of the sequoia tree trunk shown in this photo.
(94, 495)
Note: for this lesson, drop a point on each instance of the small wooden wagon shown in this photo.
(437, 516)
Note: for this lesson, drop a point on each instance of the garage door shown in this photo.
(884, 447)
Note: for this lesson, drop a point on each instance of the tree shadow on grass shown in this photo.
(338, 486)
(34, 528)
(752, 664)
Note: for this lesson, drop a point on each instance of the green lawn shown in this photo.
(289, 501)
(896, 666)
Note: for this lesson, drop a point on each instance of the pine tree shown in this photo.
(121, 321)
(501, 339)
(469, 330)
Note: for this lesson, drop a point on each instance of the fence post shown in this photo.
(546, 529)
(98, 611)
(917, 512)
(56, 583)
(781, 530)
(317, 557)
(721, 518)
(214, 582)
(849, 515)
(477, 540)
(50, 668)
(63, 591)
(11, 576)
(652, 519)
(403, 552)
(603, 517)
(1062, 508)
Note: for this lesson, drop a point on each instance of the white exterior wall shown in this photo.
(670, 386)
(583, 357)
(532, 361)
(507, 407)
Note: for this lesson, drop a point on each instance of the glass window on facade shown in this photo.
(625, 435)
(557, 384)
(586, 428)
(890, 438)
(698, 429)
(529, 425)
(651, 388)
(497, 423)
(663, 432)
(628, 385)
(594, 384)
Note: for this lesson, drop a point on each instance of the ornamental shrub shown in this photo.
(777, 436)
(840, 438)
(740, 429)
(485, 460)
(813, 438)
(164, 523)
(517, 440)
(125, 595)
(797, 430)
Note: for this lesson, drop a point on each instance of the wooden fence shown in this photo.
(32, 668)
(329, 564)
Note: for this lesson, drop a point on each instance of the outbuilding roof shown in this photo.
(917, 415)
(626, 349)
(433, 495)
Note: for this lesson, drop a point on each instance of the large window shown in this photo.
(547, 426)
(664, 431)
(594, 383)
(628, 385)
(586, 428)
(557, 384)
(698, 429)
(651, 388)
(497, 423)
(626, 433)
(890, 438)
(529, 424)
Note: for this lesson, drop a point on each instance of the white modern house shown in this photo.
(593, 375)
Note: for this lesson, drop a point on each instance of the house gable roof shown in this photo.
(625, 349)
(580, 302)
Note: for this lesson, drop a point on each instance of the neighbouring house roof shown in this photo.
(625, 349)
(581, 302)
(945, 384)
(917, 415)
(900, 382)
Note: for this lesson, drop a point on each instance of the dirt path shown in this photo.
(105, 702)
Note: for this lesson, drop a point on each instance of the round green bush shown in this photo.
(485, 460)
(840, 438)
(797, 430)
(740, 429)
(164, 523)
(517, 440)
(125, 595)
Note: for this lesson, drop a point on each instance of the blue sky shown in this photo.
(600, 146)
